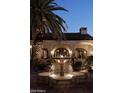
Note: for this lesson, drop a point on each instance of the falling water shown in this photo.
(55, 68)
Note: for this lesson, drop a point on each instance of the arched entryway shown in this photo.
(61, 52)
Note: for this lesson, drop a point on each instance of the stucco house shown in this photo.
(76, 45)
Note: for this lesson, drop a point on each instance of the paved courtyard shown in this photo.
(84, 87)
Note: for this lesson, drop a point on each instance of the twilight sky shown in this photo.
(80, 14)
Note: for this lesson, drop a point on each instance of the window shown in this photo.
(45, 53)
(80, 53)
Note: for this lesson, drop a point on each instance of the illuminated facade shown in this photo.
(76, 45)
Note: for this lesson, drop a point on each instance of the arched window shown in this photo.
(80, 53)
(61, 52)
(44, 53)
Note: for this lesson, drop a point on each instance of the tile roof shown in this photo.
(68, 36)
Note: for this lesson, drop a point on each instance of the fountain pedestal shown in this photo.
(61, 61)
(61, 70)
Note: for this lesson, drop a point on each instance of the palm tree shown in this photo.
(44, 20)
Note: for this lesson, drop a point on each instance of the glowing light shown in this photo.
(70, 52)
(61, 56)
(84, 71)
(58, 61)
(64, 61)
(69, 75)
(53, 75)
(52, 52)
(85, 52)
(30, 46)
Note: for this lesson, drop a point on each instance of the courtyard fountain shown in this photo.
(61, 68)
(61, 72)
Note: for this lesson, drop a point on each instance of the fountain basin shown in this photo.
(56, 79)
(57, 76)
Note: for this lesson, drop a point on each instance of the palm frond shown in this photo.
(45, 20)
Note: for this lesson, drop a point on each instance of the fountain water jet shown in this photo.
(61, 68)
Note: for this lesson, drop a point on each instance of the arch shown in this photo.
(61, 52)
(80, 53)
(67, 47)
